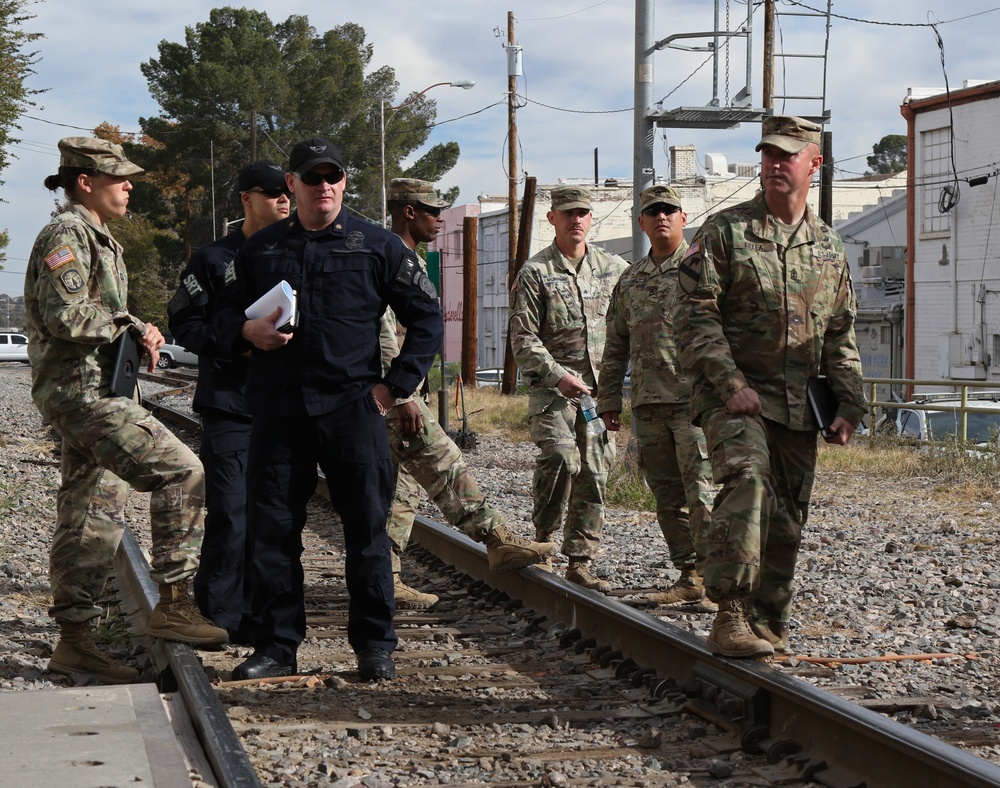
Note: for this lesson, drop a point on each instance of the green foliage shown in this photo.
(16, 62)
(149, 284)
(888, 155)
(241, 87)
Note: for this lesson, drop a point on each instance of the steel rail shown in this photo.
(826, 738)
(180, 670)
(834, 742)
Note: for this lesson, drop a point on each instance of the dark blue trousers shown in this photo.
(351, 447)
(219, 587)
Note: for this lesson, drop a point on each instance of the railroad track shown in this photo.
(573, 658)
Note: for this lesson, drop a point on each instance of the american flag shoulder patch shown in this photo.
(692, 250)
(59, 257)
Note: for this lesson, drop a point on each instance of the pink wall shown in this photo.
(449, 244)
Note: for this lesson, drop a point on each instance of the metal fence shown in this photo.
(926, 401)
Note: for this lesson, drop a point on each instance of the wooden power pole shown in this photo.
(509, 383)
(470, 298)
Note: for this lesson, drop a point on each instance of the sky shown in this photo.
(577, 88)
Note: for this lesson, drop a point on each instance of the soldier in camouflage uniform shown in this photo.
(75, 295)
(769, 304)
(672, 454)
(424, 454)
(557, 327)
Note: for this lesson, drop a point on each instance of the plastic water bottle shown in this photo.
(595, 424)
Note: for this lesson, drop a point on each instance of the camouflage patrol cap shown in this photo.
(788, 133)
(659, 195)
(413, 190)
(89, 153)
(566, 198)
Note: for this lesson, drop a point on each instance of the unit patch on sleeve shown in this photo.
(689, 268)
(72, 280)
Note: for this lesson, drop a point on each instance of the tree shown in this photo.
(241, 88)
(888, 155)
(15, 67)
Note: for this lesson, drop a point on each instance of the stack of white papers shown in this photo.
(281, 295)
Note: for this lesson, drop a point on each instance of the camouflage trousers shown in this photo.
(432, 461)
(674, 461)
(109, 446)
(571, 477)
(752, 542)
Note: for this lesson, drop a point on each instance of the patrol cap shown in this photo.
(413, 190)
(265, 175)
(311, 152)
(789, 133)
(566, 198)
(89, 153)
(659, 195)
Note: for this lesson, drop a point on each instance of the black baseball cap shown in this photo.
(262, 174)
(311, 152)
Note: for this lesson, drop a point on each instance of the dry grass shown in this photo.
(490, 412)
(961, 474)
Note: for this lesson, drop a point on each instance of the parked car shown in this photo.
(937, 425)
(13, 347)
(489, 378)
(174, 355)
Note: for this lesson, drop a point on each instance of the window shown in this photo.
(886, 335)
(936, 149)
(3, 339)
(17, 339)
(995, 359)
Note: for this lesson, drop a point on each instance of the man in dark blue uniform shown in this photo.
(317, 395)
(219, 587)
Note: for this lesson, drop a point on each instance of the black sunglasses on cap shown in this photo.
(271, 194)
(657, 208)
(336, 175)
(427, 209)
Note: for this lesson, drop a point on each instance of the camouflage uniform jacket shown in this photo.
(75, 295)
(762, 314)
(640, 331)
(557, 318)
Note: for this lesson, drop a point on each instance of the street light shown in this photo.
(465, 84)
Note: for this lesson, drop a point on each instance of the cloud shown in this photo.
(577, 55)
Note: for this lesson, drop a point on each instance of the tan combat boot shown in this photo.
(688, 588)
(731, 635)
(579, 573)
(77, 654)
(409, 598)
(176, 617)
(774, 632)
(507, 551)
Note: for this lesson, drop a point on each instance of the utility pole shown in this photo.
(513, 71)
(644, 129)
(509, 382)
(768, 94)
(470, 299)
(253, 135)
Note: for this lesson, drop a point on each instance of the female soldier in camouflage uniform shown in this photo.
(75, 294)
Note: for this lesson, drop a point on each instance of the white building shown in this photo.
(953, 288)
(703, 193)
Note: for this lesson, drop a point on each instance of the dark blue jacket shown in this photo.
(344, 276)
(222, 375)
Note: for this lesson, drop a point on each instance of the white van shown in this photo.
(13, 347)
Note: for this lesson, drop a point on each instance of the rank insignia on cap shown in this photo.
(59, 257)
(689, 268)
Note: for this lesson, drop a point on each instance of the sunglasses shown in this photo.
(336, 175)
(271, 194)
(656, 210)
(435, 212)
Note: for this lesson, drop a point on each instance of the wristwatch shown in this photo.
(398, 392)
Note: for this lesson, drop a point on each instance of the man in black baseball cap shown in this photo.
(318, 396)
(220, 589)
